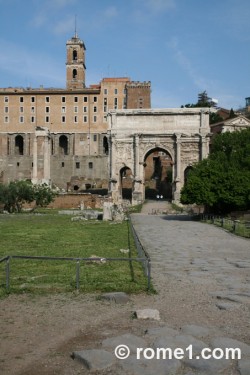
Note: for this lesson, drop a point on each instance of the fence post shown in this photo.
(8, 274)
(149, 272)
(77, 275)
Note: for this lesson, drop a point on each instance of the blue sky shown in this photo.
(182, 46)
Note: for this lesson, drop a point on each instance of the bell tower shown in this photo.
(75, 65)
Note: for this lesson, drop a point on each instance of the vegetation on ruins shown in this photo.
(221, 182)
(16, 193)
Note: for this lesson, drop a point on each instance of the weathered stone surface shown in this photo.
(147, 314)
(107, 211)
(226, 342)
(196, 331)
(132, 341)
(244, 366)
(150, 366)
(117, 297)
(208, 366)
(161, 332)
(180, 341)
(226, 306)
(95, 359)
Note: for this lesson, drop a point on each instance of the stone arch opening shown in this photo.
(74, 73)
(63, 145)
(19, 145)
(126, 183)
(186, 173)
(74, 55)
(158, 174)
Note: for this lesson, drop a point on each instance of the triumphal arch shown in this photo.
(151, 151)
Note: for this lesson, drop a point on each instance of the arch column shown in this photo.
(137, 194)
(176, 193)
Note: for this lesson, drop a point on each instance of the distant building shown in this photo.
(59, 135)
(231, 124)
(248, 104)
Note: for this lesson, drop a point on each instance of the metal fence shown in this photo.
(241, 228)
(7, 259)
(142, 253)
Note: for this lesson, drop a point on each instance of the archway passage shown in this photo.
(158, 174)
(126, 183)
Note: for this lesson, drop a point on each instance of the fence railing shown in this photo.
(145, 262)
(142, 253)
(238, 227)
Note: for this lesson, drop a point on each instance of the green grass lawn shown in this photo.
(57, 236)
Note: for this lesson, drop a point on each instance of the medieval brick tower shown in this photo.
(75, 71)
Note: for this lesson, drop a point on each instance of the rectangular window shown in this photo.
(95, 118)
(21, 119)
(75, 119)
(105, 91)
(47, 119)
(6, 99)
(76, 99)
(95, 137)
(47, 99)
(77, 165)
(95, 99)
(63, 99)
(33, 99)
(32, 109)
(63, 109)
(95, 109)
(21, 99)
(47, 109)
(18, 164)
(62, 164)
(105, 118)
(90, 165)
(85, 118)
(115, 103)
(6, 109)
(6, 119)
(85, 109)
(21, 109)
(76, 109)
(115, 91)
(32, 119)
(63, 118)
(85, 99)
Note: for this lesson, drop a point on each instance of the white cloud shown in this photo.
(65, 26)
(111, 12)
(158, 6)
(187, 65)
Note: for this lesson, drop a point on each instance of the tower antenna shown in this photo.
(75, 27)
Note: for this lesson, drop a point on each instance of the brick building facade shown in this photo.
(60, 135)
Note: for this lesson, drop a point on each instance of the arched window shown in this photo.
(63, 145)
(74, 55)
(19, 145)
(74, 73)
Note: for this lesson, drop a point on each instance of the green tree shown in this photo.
(222, 181)
(16, 193)
(43, 195)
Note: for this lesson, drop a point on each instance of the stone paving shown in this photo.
(204, 257)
